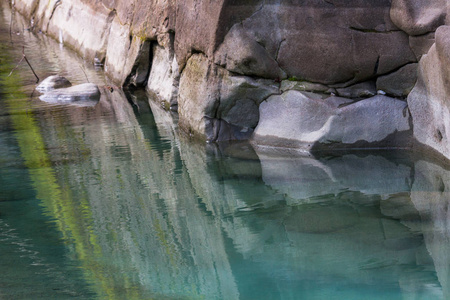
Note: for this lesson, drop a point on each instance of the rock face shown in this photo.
(164, 76)
(429, 100)
(237, 112)
(217, 61)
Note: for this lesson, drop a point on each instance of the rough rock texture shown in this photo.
(216, 61)
(213, 103)
(128, 59)
(429, 101)
(418, 17)
(241, 54)
(421, 44)
(305, 86)
(53, 82)
(298, 120)
(81, 92)
(164, 76)
(329, 42)
(399, 83)
(359, 90)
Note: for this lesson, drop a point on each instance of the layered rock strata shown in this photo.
(222, 63)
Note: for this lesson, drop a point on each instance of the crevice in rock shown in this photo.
(190, 54)
(256, 12)
(140, 72)
(57, 3)
(371, 30)
(329, 2)
(377, 64)
(278, 52)
(396, 69)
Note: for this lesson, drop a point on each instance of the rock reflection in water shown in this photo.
(159, 215)
(149, 214)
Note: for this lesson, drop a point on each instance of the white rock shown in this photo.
(81, 92)
(164, 75)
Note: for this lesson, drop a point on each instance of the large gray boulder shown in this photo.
(305, 121)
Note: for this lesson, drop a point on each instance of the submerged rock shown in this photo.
(81, 92)
(53, 82)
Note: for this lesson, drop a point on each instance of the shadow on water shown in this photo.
(110, 201)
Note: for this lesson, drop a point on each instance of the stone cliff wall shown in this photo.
(283, 73)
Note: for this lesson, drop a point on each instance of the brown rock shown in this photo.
(429, 101)
(417, 17)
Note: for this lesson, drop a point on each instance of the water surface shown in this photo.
(111, 202)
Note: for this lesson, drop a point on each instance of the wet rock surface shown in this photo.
(81, 92)
(53, 82)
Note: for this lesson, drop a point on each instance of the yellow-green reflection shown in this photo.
(73, 218)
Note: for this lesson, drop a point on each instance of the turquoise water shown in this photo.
(111, 202)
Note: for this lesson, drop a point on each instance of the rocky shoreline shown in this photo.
(301, 74)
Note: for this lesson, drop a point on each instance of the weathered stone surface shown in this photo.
(214, 104)
(53, 82)
(305, 86)
(197, 95)
(84, 27)
(421, 44)
(417, 17)
(240, 97)
(128, 59)
(359, 90)
(429, 101)
(330, 43)
(399, 83)
(296, 120)
(243, 55)
(164, 76)
(81, 92)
